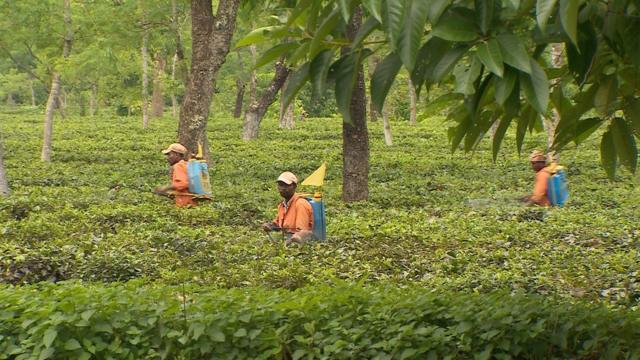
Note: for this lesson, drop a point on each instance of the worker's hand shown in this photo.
(267, 227)
(160, 190)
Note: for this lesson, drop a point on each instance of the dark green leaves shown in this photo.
(544, 8)
(536, 87)
(514, 52)
(295, 83)
(456, 26)
(382, 79)
(484, 14)
(275, 52)
(392, 16)
(318, 71)
(491, 56)
(412, 31)
(569, 18)
(625, 144)
(374, 7)
(608, 155)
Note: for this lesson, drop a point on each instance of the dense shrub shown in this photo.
(77, 321)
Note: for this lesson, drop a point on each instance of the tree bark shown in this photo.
(157, 99)
(93, 100)
(4, 184)
(145, 79)
(61, 102)
(355, 138)
(237, 111)
(258, 108)
(10, 100)
(33, 92)
(286, 119)
(388, 137)
(211, 37)
(55, 87)
(174, 98)
(253, 81)
(550, 123)
(413, 104)
(177, 56)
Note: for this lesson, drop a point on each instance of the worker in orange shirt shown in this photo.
(295, 215)
(539, 165)
(179, 188)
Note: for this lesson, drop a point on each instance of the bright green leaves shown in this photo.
(345, 9)
(383, 77)
(491, 56)
(569, 18)
(412, 31)
(536, 87)
(544, 8)
(514, 52)
(49, 337)
(263, 34)
(374, 7)
(456, 26)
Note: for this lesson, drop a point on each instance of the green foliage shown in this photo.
(80, 321)
(433, 219)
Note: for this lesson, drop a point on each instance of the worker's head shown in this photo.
(287, 183)
(538, 160)
(175, 152)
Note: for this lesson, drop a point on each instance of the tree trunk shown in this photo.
(145, 80)
(4, 184)
(33, 92)
(286, 119)
(157, 99)
(355, 138)
(10, 100)
(550, 123)
(388, 138)
(413, 105)
(93, 100)
(373, 62)
(61, 102)
(55, 87)
(211, 37)
(174, 98)
(258, 108)
(237, 111)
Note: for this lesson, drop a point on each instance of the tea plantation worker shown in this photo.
(176, 156)
(295, 215)
(539, 165)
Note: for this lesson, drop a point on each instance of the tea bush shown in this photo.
(80, 321)
(434, 219)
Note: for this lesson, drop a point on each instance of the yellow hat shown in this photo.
(537, 155)
(175, 147)
(288, 178)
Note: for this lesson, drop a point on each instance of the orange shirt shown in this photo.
(295, 216)
(539, 195)
(180, 183)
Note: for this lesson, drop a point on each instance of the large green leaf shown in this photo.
(374, 7)
(499, 135)
(294, 84)
(536, 87)
(569, 18)
(585, 128)
(514, 52)
(298, 10)
(345, 78)
(544, 8)
(466, 76)
(299, 54)
(458, 132)
(319, 37)
(345, 9)
(275, 52)
(382, 79)
(436, 8)
(456, 26)
(318, 71)
(625, 144)
(606, 95)
(581, 61)
(430, 53)
(268, 33)
(364, 31)
(484, 14)
(392, 17)
(528, 116)
(608, 156)
(490, 55)
(446, 63)
(504, 86)
(412, 32)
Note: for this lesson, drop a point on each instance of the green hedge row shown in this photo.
(137, 321)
